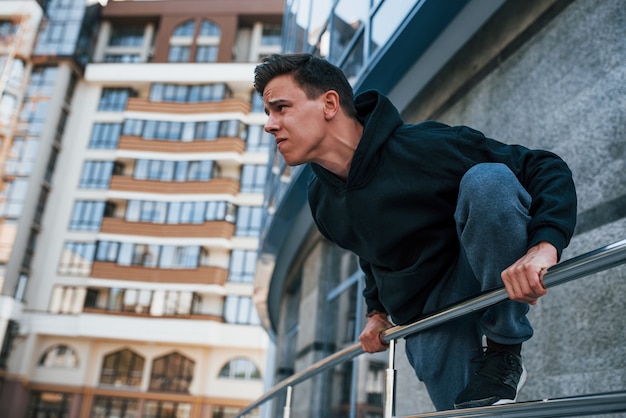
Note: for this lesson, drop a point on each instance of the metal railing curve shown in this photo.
(586, 264)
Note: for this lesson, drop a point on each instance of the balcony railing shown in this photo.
(213, 186)
(595, 261)
(199, 275)
(220, 145)
(210, 229)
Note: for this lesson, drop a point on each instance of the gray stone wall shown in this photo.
(564, 90)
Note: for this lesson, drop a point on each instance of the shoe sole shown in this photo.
(520, 384)
(486, 402)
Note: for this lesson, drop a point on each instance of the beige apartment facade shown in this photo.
(139, 295)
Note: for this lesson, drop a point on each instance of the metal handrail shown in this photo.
(572, 406)
(592, 262)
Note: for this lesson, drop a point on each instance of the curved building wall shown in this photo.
(564, 90)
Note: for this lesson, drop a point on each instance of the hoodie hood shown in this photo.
(379, 118)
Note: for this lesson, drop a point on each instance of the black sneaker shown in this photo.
(497, 381)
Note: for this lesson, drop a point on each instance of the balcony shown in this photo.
(136, 104)
(213, 186)
(135, 143)
(200, 275)
(211, 229)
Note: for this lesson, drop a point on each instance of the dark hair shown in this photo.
(315, 75)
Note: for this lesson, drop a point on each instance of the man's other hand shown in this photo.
(524, 278)
(370, 338)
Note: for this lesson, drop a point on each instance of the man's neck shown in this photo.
(342, 146)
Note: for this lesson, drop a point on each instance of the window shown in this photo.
(185, 29)
(59, 356)
(253, 178)
(119, 300)
(15, 72)
(105, 135)
(181, 41)
(180, 257)
(207, 42)
(20, 289)
(52, 162)
(174, 170)
(272, 35)
(179, 54)
(146, 211)
(12, 198)
(125, 35)
(113, 99)
(122, 368)
(175, 212)
(29, 251)
(76, 258)
(249, 220)
(240, 368)
(42, 81)
(58, 36)
(162, 409)
(32, 115)
(106, 407)
(208, 28)
(97, 174)
(155, 256)
(122, 58)
(181, 93)
(8, 104)
(172, 373)
(242, 266)
(87, 215)
(200, 170)
(179, 303)
(49, 404)
(22, 156)
(41, 206)
(257, 139)
(206, 53)
(7, 28)
(240, 310)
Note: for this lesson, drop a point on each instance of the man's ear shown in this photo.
(331, 104)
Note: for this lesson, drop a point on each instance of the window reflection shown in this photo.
(348, 18)
(387, 19)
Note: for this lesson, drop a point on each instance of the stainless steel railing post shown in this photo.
(287, 408)
(390, 382)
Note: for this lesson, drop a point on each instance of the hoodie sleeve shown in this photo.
(370, 293)
(544, 175)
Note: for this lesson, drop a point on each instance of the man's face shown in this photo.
(297, 122)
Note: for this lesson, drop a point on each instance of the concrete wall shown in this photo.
(564, 89)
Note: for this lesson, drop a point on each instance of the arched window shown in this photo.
(181, 41)
(207, 42)
(122, 368)
(240, 368)
(185, 29)
(208, 28)
(59, 356)
(172, 373)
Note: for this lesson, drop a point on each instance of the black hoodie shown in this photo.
(396, 208)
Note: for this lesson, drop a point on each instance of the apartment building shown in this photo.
(137, 299)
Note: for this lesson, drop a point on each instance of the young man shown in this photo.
(436, 214)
